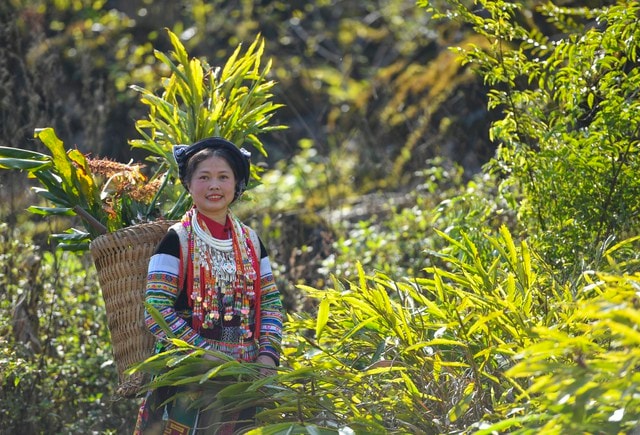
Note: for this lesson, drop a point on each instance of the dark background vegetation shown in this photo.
(368, 84)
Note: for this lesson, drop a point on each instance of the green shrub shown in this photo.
(582, 371)
(418, 355)
(56, 369)
(568, 134)
(396, 240)
(476, 346)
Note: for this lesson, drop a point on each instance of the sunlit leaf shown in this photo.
(322, 317)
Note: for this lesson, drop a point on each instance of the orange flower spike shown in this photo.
(146, 192)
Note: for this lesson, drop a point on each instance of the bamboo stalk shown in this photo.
(95, 224)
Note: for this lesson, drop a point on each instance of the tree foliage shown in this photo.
(568, 132)
(354, 76)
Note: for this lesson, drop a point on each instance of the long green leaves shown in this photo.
(568, 136)
(405, 354)
(65, 181)
(584, 374)
(198, 101)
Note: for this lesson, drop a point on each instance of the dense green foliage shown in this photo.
(56, 367)
(569, 131)
(499, 302)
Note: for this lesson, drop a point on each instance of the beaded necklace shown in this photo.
(221, 274)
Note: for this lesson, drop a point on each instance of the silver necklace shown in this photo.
(221, 259)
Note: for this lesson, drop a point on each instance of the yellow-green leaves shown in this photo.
(63, 166)
(463, 404)
(66, 181)
(199, 100)
(323, 317)
(86, 185)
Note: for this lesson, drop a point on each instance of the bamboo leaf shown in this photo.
(441, 341)
(323, 317)
(159, 319)
(621, 244)
(384, 370)
(51, 211)
(463, 404)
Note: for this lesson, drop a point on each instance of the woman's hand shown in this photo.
(266, 360)
(214, 358)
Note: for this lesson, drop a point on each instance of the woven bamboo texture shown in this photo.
(121, 259)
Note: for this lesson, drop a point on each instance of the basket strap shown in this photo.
(182, 236)
(256, 243)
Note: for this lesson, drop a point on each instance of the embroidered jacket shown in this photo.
(164, 293)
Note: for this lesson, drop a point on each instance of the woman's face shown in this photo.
(213, 187)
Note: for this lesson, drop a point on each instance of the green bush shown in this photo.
(582, 372)
(568, 133)
(56, 369)
(396, 240)
(422, 355)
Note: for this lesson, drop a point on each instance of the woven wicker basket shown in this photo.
(121, 259)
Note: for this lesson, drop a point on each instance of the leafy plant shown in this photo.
(487, 343)
(198, 101)
(56, 369)
(568, 133)
(394, 241)
(581, 372)
(422, 355)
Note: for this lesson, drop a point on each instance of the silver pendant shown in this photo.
(229, 267)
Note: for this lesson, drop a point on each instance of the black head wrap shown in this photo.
(239, 156)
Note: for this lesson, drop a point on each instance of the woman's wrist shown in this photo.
(266, 359)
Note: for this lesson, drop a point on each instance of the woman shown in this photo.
(210, 279)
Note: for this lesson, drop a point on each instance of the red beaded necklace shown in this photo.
(221, 273)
